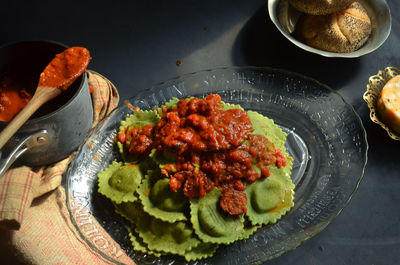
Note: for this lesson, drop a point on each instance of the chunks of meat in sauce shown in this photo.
(213, 148)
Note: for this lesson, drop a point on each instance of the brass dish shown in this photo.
(371, 96)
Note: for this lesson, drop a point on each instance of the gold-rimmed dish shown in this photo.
(374, 87)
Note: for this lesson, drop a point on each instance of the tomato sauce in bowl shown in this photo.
(12, 99)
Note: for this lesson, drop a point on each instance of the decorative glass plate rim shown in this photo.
(254, 68)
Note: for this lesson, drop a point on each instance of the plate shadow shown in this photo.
(260, 43)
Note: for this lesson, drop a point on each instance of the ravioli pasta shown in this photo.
(186, 192)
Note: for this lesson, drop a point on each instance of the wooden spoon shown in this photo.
(58, 75)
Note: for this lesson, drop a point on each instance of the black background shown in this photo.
(137, 44)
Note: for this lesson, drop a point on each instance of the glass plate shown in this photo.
(325, 137)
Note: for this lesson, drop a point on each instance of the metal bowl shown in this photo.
(285, 18)
(57, 128)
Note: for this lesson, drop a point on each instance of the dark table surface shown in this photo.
(137, 44)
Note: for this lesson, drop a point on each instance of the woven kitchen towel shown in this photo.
(19, 186)
(36, 226)
(47, 237)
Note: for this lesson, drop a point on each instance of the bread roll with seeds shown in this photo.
(320, 7)
(342, 32)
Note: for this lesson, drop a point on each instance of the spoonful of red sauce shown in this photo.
(58, 75)
(67, 66)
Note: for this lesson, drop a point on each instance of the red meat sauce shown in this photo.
(65, 67)
(213, 148)
(12, 99)
(60, 72)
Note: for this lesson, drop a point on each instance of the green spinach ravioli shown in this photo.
(196, 174)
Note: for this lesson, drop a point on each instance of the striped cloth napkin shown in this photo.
(34, 221)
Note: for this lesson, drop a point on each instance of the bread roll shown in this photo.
(343, 31)
(320, 7)
(388, 105)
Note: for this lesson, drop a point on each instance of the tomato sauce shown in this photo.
(213, 148)
(12, 99)
(62, 71)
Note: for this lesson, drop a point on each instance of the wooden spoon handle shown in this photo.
(39, 98)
